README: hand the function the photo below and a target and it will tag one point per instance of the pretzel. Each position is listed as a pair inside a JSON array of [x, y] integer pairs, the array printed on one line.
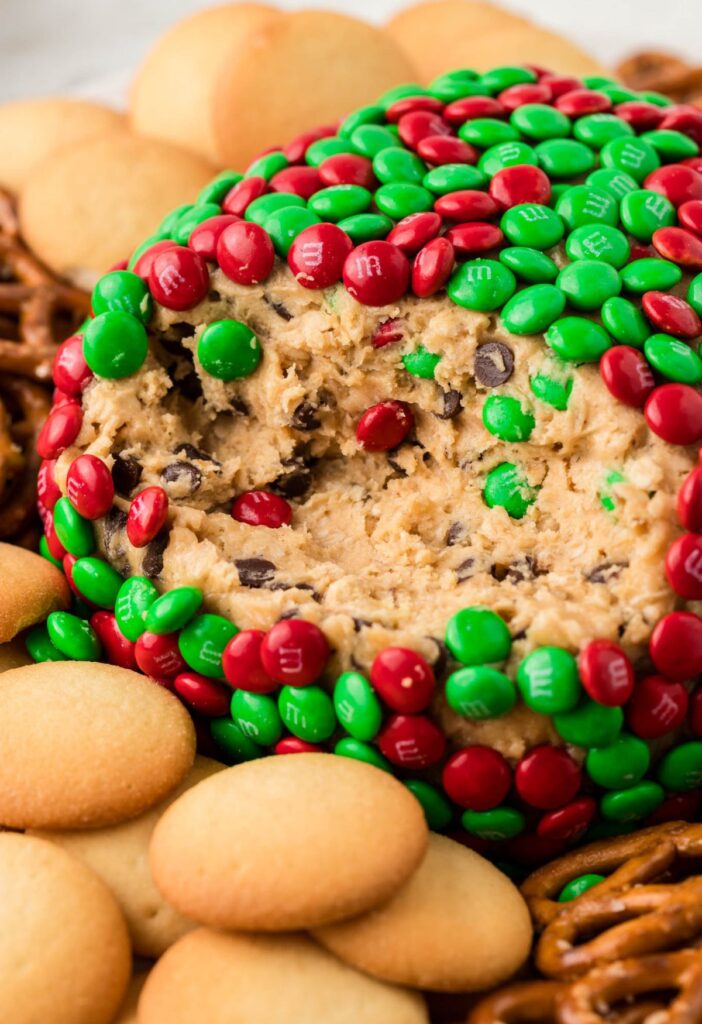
[[23, 408], [528, 1002], [664, 73], [630, 860]]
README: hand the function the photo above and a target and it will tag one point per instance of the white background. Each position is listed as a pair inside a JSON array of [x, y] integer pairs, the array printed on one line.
[[89, 47]]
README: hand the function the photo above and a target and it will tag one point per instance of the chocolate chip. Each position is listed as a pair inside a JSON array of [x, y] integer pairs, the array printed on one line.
[[293, 484], [494, 363], [190, 386], [183, 473], [359, 624], [282, 311], [291, 613], [239, 405], [194, 453], [441, 660], [305, 417], [605, 572], [395, 465], [453, 534], [126, 474], [298, 586], [452, 405], [114, 521], [254, 572], [522, 569], [464, 571], [152, 564]]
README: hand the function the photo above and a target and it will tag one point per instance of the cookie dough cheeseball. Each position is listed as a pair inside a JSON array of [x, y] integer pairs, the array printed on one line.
[[388, 447]]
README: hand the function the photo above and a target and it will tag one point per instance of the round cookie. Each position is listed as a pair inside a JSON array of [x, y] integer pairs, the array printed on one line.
[[90, 205], [64, 948], [85, 745], [40, 127], [280, 979], [458, 925], [32, 588], [359, 62], [14, 655], [215, 854], [173, 93], [119, 855]]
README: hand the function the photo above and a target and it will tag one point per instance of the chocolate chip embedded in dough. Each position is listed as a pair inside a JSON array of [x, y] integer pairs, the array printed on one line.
[[464, 571], [605, 572], [113, 522], [281, 309], [396, 467], [190, 386], [255, 572], [152, 564], [293, 484], [521, 569], [194, 453], [239, 406], [452, 405], [359, 624], [126, 474], [454, 533], [183, 474], [305, 417], [494, 364], [291, 613], [441, 659]]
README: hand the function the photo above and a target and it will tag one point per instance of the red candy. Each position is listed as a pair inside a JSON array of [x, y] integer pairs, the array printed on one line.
[[567, 824], [48, 491], [695, 717], [178, 278], [674, 412], [420, 124], [676, 645], [414, 231], [689, 503], [561, 84], [412, 741], [642, 116], [347, 169], [261, 508], [474, 238], [521, 183], [158, 656], [657, 706], [318, 254], [627, 375], [685, 119], [471, 107], [293, 745], [295, 150], [446, 149], [143, 265], [376, 273], [680, 246], [301, 181], [547, 778], [388, 332], [677, 807], [242, 665], [203, 695], [683, 566], [294, 652], [384, 426], [606, 673], [68, 561], [579, 102], [71, 374], [245, 253], [205, 236], [147, 515], [411, 103], [432, 267], [243, 194], [60, 430], [466, 205], [89, 486], [403, 679], [115, 645], [478, 778], [56, 548], [690, 215], [529, 92], [676, 182]]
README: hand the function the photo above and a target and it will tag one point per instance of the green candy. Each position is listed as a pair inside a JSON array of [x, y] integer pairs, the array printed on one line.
[[97, 581], [532, 225], [216, 190], [122, 290], [625, 322], [230, 739], [540, 121], [75, 533], [533, 309], [694, 294], [308, 712], [370, 139], [115, 344], [401, 92], [588, 283], [202, 643], [504, 417], [360, 751], [597, 81], [506, 154], [612, 180], [397, 164], [554, 392], [340, 201], [487, 131], [190, 220], [267, 165], [257, 716], [500, 823], [565, 158], [558, 189], [73, 637], [608, 498], [618, 93], [505, 487], [357, 706], [596, 130], [620, 764], [548, 681], [643, 212], [499, 79], [635, 156], [681, 768], [478, 636], [173, 610], [139, 251], [285, 225], [656, 98], [529, 264], [421, 363], [671, 145], [40, 647], [260, 209], [401, 199], [454, 85], [480, 692], [632, 804], [577, 340], [320, 150], [45, 553], [373, 114], [167, 225], [674, 359], [577, 886], [364, 227], [452, 178], [228, 350], [589, 724], [483, 285], [598, 242], [650, 274], [437, 809], [135, 597], [584, 205]]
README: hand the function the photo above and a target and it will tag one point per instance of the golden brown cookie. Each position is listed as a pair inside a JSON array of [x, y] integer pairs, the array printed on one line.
[[90, 205], [296, 73], [13, 655], [119, 855], [84, 745], [36, 129], [173, 93], [64, 947], [31, 588], [227, 979], [286, 842], [459, 925]]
